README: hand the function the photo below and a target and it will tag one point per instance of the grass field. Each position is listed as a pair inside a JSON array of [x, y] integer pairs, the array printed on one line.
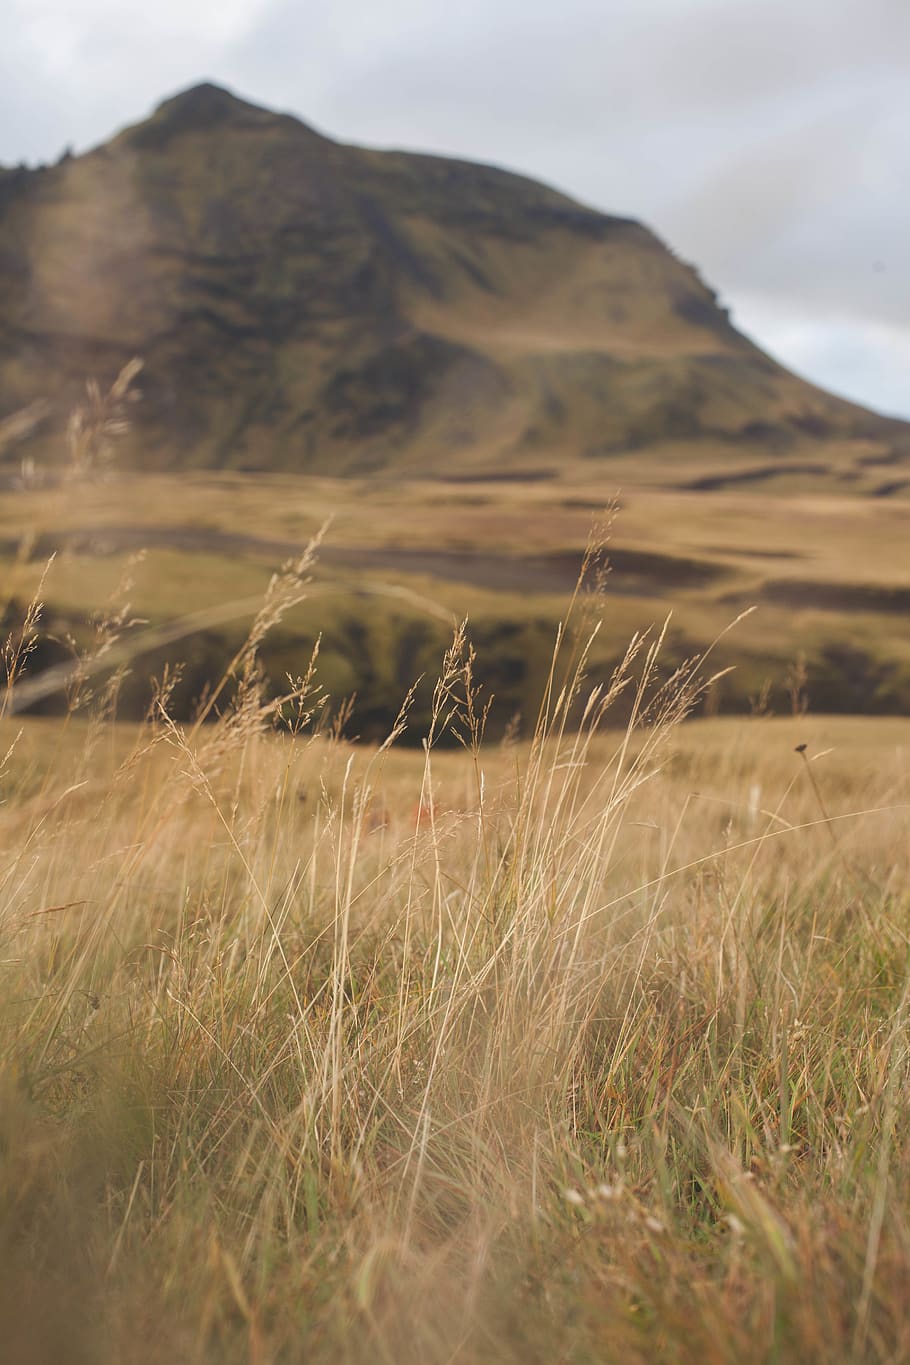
[[586, 1047], [388, 1001], [403, 560]]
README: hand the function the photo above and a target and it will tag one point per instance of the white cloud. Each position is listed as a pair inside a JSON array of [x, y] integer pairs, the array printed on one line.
[[868, 362], [73, 73], [64, 33]]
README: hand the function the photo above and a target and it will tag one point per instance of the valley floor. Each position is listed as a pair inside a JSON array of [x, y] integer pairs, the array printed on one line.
[[824, 567]]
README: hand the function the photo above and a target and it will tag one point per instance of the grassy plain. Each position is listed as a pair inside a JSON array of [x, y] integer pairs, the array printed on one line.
[[825, 565], [587, 1047], [584, 1044]]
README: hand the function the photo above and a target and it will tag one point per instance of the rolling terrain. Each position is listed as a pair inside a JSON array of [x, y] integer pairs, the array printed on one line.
[[573, 1030], [461, 369], [403, 561]]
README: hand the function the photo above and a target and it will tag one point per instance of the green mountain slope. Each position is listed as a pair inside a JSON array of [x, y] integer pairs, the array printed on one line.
[[308, 306]]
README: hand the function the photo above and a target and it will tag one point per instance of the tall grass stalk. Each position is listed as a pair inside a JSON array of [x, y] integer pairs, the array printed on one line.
[[560, 1050]]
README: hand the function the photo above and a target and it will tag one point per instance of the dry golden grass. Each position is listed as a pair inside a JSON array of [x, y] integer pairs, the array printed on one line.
[[589, 1048], [403, 555]]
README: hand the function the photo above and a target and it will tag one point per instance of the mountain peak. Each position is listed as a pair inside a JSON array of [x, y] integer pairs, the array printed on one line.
[[302, 303], [201, 107], [204, 103]]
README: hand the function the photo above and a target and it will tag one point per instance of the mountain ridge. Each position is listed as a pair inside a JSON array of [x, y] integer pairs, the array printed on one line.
[[304, 304]]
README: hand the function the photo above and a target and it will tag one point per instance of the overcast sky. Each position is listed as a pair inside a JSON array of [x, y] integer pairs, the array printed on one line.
[[767, 141]]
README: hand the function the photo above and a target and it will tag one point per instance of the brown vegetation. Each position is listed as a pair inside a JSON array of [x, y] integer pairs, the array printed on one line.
[[312, 307], [599, 1056]]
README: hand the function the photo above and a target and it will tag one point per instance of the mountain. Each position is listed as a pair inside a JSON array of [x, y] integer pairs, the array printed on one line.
[[305, 305]]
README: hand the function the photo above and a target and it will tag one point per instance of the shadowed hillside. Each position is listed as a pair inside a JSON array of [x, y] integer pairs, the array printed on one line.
[[308, 306]]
